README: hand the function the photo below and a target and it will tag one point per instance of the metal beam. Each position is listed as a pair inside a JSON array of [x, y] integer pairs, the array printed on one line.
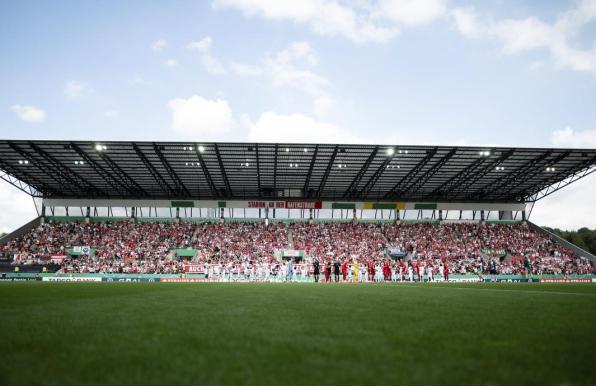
[[370, 184], [327, 171], [457, 179], [411, 175], [153, 171], [513, 176], [71, 175], [30, 190], [210, 182], [546, 177], [275, 169], [8, 173], [310, 169], [58, 176], [351, 191], [473, 179], [562, 177], [423, 179], [180, 188], [131, 185], [229, 192], [561, 184], [258, 171], [522, 176], [99, 169]]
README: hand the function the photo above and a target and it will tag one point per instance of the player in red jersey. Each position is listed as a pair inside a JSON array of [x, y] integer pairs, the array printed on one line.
[[387, 271], [402, 270], [417, 269], [344, 270], [446, 271]]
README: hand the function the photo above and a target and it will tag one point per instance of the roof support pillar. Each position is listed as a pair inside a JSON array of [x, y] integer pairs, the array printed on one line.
[[506, 215], [43, 213]]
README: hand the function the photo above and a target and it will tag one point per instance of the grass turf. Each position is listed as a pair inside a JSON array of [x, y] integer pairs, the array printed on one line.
[[296, 334]]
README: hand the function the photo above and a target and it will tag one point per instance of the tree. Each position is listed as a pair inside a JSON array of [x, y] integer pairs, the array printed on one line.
[[584, 238]]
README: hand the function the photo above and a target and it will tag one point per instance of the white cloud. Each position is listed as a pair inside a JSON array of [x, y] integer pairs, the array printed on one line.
[[159, 45], [203, 45], [16, 207], [570, 138], [290, 68], [199, 116], [467, 23], [273, 127], [74, 88], [30, 114], [211, 63], [171, 63], [413, 12], [525, 34], [531, 33], [359, 21]]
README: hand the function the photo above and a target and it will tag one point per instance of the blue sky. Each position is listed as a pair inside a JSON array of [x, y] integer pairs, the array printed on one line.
[[517, 73]]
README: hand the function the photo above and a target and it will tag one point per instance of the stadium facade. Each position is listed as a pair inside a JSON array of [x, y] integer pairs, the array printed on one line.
[[98, 180]]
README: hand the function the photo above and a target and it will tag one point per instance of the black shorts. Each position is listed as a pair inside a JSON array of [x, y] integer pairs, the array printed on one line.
[[493, 271]]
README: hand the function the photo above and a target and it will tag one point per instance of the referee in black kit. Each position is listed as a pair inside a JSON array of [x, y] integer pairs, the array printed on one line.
[[336, 270]]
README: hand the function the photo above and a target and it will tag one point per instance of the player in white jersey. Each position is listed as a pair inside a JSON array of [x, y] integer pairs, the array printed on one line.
[[246, 271], [378, 273], [410, 273], [216, 271], [362, 273], [441, 271], [305, 271], [429, 272], [206, 268]]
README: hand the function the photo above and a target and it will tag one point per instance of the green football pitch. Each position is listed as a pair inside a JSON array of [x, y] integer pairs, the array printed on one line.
[[297, 334]]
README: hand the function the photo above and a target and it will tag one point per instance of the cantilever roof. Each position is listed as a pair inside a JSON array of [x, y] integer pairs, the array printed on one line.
[[166, 170]]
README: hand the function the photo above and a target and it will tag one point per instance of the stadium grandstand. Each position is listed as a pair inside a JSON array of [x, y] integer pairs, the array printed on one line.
[[168, 211]]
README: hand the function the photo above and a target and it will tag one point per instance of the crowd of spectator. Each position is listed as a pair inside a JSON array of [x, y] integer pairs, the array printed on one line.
[[118, 247], [356, 251], [471, 246]]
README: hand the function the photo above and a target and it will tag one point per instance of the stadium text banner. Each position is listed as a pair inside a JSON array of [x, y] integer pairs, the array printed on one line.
[[193, 268], [285, 204]]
